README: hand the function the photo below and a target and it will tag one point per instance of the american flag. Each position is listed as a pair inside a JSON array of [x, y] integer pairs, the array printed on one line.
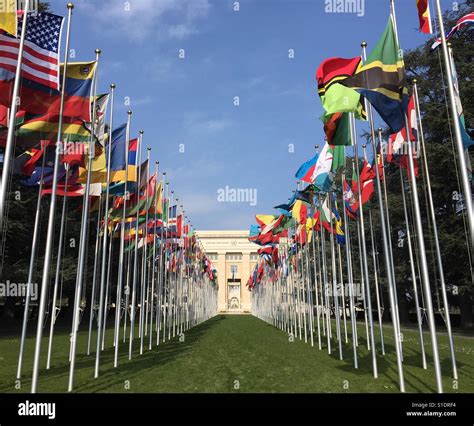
[[41, 53]]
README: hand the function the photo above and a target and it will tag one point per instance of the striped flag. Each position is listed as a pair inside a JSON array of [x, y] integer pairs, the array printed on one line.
[[41, 53], [464, 21]]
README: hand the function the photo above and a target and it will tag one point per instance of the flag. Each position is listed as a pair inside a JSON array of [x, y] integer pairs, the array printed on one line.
[[424, 16], [299, 211], [118, 175], [101, 102], [330, 160], [8, 17], [306, 170], [38, 99], [397, 152], [337, 129], [264, 219], [333, 70], [45, 127], [461, 23], [40, 61], [349, 200], [381, 80]]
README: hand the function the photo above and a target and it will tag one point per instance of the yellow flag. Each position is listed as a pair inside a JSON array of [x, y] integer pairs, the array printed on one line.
[[8, 16]]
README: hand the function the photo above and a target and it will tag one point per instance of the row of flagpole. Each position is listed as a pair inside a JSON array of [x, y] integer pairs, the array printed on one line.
[[162, 272], [301, 268]]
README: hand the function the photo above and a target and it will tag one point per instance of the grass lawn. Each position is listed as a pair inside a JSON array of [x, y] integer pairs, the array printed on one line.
[[236, 353]]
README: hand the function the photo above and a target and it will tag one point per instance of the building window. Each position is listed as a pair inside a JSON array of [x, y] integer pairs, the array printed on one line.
[[254, 257], [213, 256], [233, 256]]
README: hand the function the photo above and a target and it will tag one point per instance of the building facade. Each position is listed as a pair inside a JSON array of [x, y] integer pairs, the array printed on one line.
[[234, 257]]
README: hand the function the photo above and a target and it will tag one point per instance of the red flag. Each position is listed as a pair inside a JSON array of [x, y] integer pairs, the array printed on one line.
[[424, 16]]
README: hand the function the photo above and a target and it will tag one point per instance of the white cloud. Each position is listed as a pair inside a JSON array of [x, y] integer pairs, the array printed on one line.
[[152, 20]]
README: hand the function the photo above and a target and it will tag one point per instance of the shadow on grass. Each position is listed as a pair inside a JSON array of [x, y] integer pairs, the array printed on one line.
[[109, 376]]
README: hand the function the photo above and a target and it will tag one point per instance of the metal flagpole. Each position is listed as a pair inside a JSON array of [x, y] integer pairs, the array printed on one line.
[[107, 293], [153, 266], [421, 139], [387, 252], [417, 214], [364, 251], [58, 272], [135, 258], [334, 278], [466, 186], [31, 269], [165, 287], [162, 265], [82, 260], [350, 280], [51, 217], [376, 281], [389, 230], [325, 284], [106, 233], [413, 274], [144, 250], [121, 271], [94, 277], [9, 145]]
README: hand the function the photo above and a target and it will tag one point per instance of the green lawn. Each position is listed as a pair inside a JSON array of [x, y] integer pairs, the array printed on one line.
[[237, 351]]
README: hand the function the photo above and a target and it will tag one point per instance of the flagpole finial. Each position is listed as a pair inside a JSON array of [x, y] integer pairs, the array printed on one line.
[[363, 44], [129, 112], [98, 51], [157, 163], [364, 146], [113, 86], [316, 147], [414, 81], [70, 6], [167, 183], [379, 129], [148, 148], [141, 132]]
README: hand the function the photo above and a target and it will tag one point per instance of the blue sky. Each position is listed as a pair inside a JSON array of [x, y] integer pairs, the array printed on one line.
[[189, 102]]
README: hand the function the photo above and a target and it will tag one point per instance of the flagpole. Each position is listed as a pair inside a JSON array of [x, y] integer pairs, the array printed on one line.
[[135, 258], [313, 236], [82, 260], [413, 274], [106, 233], [51, 217], [165, 206], [466, 186], [325, 283], [365, 271], [153, 268], [162, 265], [94, 278], [421, 138], [416, 207], [31, 269], [334, 279], [376, 282], [58, 269], [9, 145], [144, 251], [350, 280], [121, 271]]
